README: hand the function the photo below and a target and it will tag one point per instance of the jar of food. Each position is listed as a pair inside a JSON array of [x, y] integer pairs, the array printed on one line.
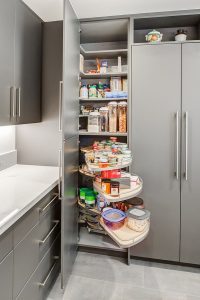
[[103, 163], [103, 119], [94, 122], [112, 106], [114, 188], [122, 112], [114, 218], [84, 92], [90, 198], [105, 186], [138, 219], [93, 91]]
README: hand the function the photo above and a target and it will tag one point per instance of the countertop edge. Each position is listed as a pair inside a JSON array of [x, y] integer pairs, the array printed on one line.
[[5, 227]]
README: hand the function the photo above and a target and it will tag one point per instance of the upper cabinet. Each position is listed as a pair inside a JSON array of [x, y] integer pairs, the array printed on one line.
[[7, 23], [20, 61], [28, 64]]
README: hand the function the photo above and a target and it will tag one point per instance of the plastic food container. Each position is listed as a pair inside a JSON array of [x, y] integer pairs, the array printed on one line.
[[114, 218], [103, 119], [138, 219], [94, 122], [122, 110], [112, 106]]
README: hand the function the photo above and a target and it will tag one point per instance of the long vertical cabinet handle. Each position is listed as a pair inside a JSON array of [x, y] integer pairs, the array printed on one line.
[[60, 104], [177, 145], [60, 175], [186, 145], [12, 102], [18, 91]]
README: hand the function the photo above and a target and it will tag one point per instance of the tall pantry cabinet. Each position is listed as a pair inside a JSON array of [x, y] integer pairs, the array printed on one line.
[[165, 140]]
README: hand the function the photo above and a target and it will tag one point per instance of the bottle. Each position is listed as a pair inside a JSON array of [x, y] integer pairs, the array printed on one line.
[[84, 92]]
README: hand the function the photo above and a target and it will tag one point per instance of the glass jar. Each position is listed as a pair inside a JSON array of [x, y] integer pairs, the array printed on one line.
[[94, 122], [122, 112], [112, 106], [103, 119]]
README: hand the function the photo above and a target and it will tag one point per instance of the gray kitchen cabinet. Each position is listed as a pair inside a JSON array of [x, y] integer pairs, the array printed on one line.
[[20, 63], [190, 204], [6, 279], [156, 100], [28, 64], [7, 21], [25, 259], [69, 208]]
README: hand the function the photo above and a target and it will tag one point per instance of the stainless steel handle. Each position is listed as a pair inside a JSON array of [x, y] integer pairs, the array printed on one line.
[[60, 104], [186, 145], [52, 200], [177, 145], [48, 276], [18, 91], [60, 174], [50, 232], [12, 102]]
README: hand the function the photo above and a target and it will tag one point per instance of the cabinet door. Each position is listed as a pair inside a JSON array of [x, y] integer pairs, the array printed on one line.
[[190, 203], [28, 41], [7, 19], [71, 72], [6, 273], [69, 213], [156, 97]]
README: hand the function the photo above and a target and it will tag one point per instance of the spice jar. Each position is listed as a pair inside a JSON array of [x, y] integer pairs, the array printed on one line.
[[103, 119], [114, 188], [105, 186], [112, 106], [122, 111]]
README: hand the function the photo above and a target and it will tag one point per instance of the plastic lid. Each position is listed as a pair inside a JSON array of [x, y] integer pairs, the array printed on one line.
[[138, 214], [94, 113], [103, 109], [114, 215], [113, 103], [122, 103]]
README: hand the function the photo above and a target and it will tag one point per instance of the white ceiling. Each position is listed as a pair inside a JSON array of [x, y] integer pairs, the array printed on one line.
[[52, 10]]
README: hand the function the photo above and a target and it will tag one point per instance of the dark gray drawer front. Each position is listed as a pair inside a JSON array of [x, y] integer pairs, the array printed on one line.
[[25, 225], [6, 271], [48, 201], [6, 244], [49, 228], [26, 259], [49, 269]]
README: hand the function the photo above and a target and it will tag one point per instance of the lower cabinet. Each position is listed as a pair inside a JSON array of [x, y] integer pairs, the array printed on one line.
[[30, 252], [39, 285], [6, 277]]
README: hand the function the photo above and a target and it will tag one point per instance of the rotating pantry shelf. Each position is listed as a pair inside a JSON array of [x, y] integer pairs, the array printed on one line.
[[125, 237], [95, 168], [125, 194]]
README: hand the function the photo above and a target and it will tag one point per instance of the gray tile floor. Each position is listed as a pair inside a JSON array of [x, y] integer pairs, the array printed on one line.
[[99, 277]]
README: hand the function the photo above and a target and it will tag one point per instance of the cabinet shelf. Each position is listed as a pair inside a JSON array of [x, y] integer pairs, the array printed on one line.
[[99, 75], [95, 168], [84, 132], [113, 53], [98, 241], [125, 194], [102, 99]]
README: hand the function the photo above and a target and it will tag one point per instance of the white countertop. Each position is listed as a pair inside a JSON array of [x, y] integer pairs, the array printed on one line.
[[21, 187]]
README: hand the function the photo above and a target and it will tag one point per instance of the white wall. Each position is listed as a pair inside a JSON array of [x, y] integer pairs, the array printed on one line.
[[7, 138]]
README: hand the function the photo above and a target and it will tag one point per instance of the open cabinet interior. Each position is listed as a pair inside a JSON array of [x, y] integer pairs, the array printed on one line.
[[103, 125], [168, 26]]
